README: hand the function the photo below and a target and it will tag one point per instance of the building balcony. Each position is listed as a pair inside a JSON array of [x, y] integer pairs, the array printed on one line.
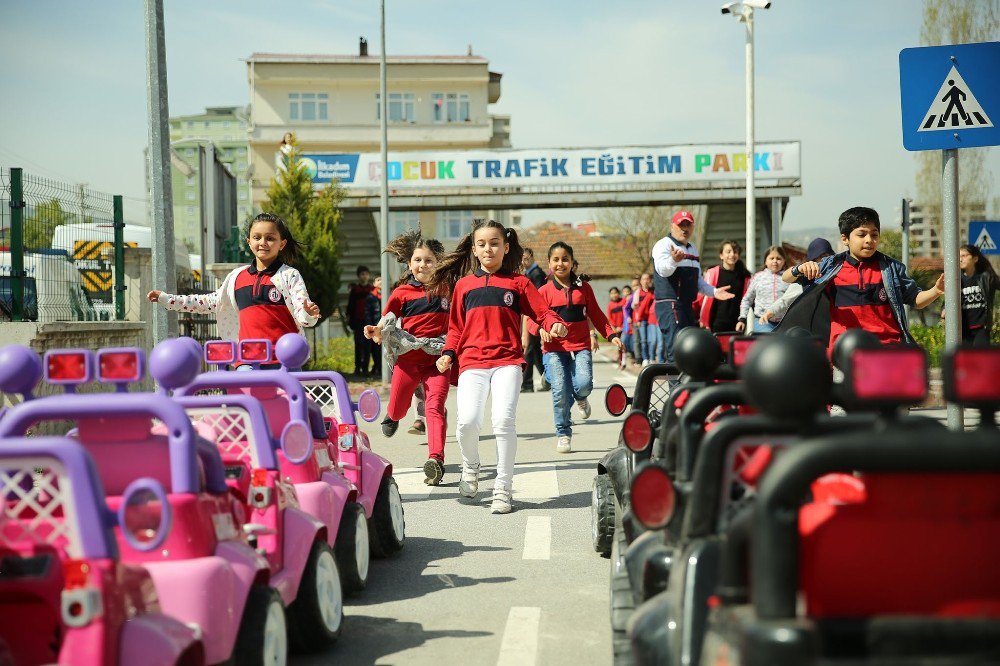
[[493, 89], [408, 135]]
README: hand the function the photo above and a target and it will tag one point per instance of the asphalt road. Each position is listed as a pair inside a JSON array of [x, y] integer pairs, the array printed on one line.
[[470, 587]]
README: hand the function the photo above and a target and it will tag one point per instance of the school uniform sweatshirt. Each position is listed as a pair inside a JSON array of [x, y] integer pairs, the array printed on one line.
[[484, 321], [421, 315], [576, 306]]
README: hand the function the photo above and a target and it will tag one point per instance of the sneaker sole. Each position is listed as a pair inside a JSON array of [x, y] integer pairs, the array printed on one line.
[[501, 509], [433, 473]]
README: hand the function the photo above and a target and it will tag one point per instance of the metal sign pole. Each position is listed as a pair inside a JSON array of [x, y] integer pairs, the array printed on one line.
[[952, 278], [905, 210], [160, 202], [383, 221], [750, 252]]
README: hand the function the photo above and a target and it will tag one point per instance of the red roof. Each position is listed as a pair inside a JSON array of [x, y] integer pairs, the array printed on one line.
[[598, 257]]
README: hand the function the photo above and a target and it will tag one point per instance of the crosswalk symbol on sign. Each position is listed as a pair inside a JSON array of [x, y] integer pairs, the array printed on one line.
[[985, 241], [954, 107]]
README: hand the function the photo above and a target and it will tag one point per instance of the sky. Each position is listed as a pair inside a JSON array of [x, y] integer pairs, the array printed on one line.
[[576, 73]]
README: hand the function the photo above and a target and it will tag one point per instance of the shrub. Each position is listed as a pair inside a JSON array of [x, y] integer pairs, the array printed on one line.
[[336, 354]]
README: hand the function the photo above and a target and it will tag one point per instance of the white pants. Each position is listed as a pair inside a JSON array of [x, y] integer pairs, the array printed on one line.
[[474, 385]]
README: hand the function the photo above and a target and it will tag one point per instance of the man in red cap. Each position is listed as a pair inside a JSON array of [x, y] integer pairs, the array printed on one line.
[[677, 280]]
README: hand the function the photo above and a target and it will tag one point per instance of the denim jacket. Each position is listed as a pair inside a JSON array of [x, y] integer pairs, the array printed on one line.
[[899, 286]]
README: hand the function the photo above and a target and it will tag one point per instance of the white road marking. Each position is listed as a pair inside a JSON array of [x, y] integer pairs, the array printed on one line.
[[537, 538], [536, 481], [411, 482], [519, 646]]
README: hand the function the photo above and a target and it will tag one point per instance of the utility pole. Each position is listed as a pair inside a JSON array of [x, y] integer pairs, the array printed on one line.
[[383, 222], [161, 199]]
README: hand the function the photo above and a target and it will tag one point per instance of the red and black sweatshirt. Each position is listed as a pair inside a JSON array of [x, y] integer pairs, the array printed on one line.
[[576, 305], [263, 311], [616, 313], [484, 324], [420, 314]]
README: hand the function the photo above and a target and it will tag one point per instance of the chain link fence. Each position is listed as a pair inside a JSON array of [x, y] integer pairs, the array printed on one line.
[[61, 251]]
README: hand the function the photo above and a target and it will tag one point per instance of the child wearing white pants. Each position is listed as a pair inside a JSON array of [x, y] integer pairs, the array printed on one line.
[[484, 340], [473, 387]]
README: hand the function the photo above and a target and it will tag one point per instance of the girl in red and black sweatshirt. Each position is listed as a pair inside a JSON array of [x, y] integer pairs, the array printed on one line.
[[568, 362], [484, 339], [424, 316]]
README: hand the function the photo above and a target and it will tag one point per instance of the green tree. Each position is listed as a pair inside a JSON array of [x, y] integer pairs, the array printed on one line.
[[956, 22], [40, 225], [314, 220], [891, 243]]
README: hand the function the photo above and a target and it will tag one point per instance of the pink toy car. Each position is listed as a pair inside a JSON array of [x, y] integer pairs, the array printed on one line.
[[64, 595], [370, 472], [205, 572], [321, 489]]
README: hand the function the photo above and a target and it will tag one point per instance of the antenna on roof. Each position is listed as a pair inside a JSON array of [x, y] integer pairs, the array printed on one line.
[[470, 50], [363, 47]]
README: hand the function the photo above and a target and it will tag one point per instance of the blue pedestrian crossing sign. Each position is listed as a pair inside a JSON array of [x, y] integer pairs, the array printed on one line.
[[985, 236], [950, 96]]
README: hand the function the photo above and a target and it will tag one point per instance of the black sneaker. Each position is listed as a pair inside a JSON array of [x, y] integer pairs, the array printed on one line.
[[527, 389], [389, 427], [418, 428], [545, 386], [434, 471]]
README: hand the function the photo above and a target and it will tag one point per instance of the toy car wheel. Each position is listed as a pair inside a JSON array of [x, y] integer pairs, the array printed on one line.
[[622, 603], [352, 548], [262, 637], [388, 522], [602, 514], [317, 614]]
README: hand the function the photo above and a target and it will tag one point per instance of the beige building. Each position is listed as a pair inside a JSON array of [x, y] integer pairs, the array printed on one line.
[[924, 240], [331, 104]]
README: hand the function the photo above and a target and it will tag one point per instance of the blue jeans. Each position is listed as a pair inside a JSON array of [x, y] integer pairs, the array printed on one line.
[[571, 375], [673, 316], [763, 328], [650, 341], [627, 343]]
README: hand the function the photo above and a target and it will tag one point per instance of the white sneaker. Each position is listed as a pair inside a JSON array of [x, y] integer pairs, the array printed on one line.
[[563, 444], [468, 486], [584, 407], [501, 501], [645, 363]]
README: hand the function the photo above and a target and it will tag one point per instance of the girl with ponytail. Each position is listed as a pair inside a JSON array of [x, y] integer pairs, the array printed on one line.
[[412, 330], [568, 362], [488, 297]]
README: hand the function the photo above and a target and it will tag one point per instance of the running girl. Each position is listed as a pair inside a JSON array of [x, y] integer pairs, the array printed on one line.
[[979, 287], [484, 338], [568, 362], [616, 316], [425, 318], [265, 299], [764, 289]]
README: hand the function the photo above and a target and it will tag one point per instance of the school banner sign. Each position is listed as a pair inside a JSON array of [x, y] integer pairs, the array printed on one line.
[[556, 166]]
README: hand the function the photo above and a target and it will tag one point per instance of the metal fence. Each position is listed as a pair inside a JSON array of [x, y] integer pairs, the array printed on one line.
[[61, 251]]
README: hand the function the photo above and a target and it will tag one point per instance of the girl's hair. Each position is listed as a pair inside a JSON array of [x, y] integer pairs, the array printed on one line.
[[403, 246], [740, 268], [983, 264], [460, 261], [573, 277], [293, 249], [775, 249], [736, 246]]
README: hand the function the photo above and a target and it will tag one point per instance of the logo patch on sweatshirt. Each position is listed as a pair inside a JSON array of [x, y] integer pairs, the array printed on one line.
[[508, 298], [274, 295], [444, 303]]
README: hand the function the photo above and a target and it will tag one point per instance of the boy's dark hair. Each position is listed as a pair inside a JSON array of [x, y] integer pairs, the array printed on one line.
[[362, 269], [852, 218], [614, 289], [528, 252], [293, 249], [460, 261]]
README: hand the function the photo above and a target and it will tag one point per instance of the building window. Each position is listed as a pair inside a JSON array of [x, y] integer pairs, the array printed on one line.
[[189, 124], [308, 106], [451, 107], [453, 224], [190, 210], [226, 124], [189, 195], [400, 222], [402, 107], [189, 180], [189, 152], [243, 196], [241, 152], [241, 166]]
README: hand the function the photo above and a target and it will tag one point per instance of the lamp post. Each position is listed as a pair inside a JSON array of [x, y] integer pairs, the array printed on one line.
[[383, 219], [743, 12]]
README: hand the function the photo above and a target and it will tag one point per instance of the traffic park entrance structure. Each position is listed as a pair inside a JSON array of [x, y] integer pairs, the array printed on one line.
[[708, 175]]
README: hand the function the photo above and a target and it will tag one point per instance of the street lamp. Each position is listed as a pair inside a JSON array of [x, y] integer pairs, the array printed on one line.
[[743, 12]]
